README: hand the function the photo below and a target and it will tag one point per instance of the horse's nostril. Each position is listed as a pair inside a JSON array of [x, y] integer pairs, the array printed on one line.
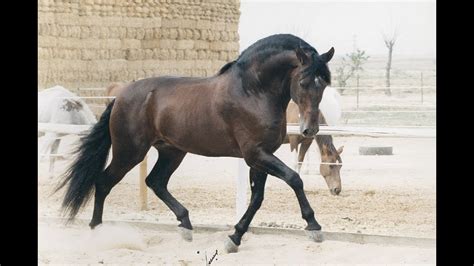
[[309, 132], [337, 191]]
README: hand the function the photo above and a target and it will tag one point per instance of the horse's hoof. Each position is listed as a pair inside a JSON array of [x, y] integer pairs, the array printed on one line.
[[95, 226], [186, 234], [230, 246], [315, 235]]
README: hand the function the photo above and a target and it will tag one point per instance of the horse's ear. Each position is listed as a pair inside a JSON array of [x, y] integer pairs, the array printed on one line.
[[339, 151], [326, 57], [301, 55]]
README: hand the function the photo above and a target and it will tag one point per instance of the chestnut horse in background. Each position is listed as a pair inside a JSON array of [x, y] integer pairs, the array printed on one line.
[[114, 89], [239, 112], [329, 153]]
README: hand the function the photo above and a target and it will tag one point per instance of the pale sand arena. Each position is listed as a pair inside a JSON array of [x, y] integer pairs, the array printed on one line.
[[386, 195], [126, 245]]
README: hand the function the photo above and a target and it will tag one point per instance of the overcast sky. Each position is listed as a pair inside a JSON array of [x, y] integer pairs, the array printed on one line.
[[338, 23]]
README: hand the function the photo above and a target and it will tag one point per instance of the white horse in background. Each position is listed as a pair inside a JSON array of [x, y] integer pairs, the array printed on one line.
[[57, 105], [331, 106]]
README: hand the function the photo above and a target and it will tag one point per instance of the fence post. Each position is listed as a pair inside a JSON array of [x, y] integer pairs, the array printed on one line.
[[357, 91], [421, 80], [242, 185], [143, 187]]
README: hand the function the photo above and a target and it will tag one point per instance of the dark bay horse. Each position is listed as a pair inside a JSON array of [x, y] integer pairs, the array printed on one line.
[[239, 112], [330, 167]]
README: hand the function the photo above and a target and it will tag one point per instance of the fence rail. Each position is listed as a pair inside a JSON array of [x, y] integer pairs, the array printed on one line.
[[242, 168], [383, 88], [291, 129]]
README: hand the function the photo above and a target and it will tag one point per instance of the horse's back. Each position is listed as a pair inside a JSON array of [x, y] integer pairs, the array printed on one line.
[[55, 106], [166, 108], [48, 99]]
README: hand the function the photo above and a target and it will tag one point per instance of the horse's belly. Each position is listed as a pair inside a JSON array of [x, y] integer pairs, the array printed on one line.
[[210, 145], [202, 139]]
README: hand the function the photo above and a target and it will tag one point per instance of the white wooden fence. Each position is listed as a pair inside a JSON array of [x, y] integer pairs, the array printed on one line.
[[377, 132], [83, 130], [242, 168]]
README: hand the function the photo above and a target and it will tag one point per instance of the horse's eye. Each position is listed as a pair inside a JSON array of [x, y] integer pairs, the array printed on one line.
[[304, 83]]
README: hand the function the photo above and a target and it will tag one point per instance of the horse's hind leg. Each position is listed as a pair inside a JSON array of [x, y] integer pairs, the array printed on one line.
[[257, 184], [122, 162], [52, 159], [44, 148], [168, 161]]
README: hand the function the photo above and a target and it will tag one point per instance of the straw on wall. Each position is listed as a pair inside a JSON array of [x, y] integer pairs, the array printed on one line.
[[92, 43]]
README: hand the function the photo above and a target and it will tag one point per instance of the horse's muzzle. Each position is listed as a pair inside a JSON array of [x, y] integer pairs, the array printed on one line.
[[310, 132], [335, 191]]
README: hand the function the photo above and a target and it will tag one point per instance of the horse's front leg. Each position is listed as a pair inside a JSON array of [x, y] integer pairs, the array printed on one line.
[[266, 162], [257, 185]]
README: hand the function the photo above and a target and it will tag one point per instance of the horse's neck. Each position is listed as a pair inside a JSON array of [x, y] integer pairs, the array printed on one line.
[[324, 143], [271, 77], [276, 69]]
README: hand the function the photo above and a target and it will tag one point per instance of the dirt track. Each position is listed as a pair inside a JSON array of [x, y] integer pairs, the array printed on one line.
[[389, 195], [120, 244], [386, 195]]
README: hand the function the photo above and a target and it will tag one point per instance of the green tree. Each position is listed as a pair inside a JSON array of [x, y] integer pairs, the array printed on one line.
[[351, 66]]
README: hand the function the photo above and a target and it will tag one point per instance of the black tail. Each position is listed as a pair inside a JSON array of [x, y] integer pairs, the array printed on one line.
[[91, 158]]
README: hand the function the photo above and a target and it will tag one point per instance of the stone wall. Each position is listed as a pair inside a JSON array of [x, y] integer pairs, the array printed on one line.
[[92, 43]]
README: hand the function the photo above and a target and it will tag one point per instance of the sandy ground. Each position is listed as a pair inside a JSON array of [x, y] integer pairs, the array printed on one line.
[[123, 244], [390, 195], [385, 195]]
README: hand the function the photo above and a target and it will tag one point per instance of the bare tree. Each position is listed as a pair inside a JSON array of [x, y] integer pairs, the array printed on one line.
[[389, 43]]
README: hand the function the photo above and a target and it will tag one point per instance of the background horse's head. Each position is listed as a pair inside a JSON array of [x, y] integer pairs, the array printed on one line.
[[331, 172], [309, 80]]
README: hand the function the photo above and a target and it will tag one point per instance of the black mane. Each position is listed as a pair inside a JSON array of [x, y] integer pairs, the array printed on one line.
[[274, 44], [225, 67], [328, 141]]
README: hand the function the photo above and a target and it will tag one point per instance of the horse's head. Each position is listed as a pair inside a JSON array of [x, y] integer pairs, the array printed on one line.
[[331, 171], [308, 82]]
